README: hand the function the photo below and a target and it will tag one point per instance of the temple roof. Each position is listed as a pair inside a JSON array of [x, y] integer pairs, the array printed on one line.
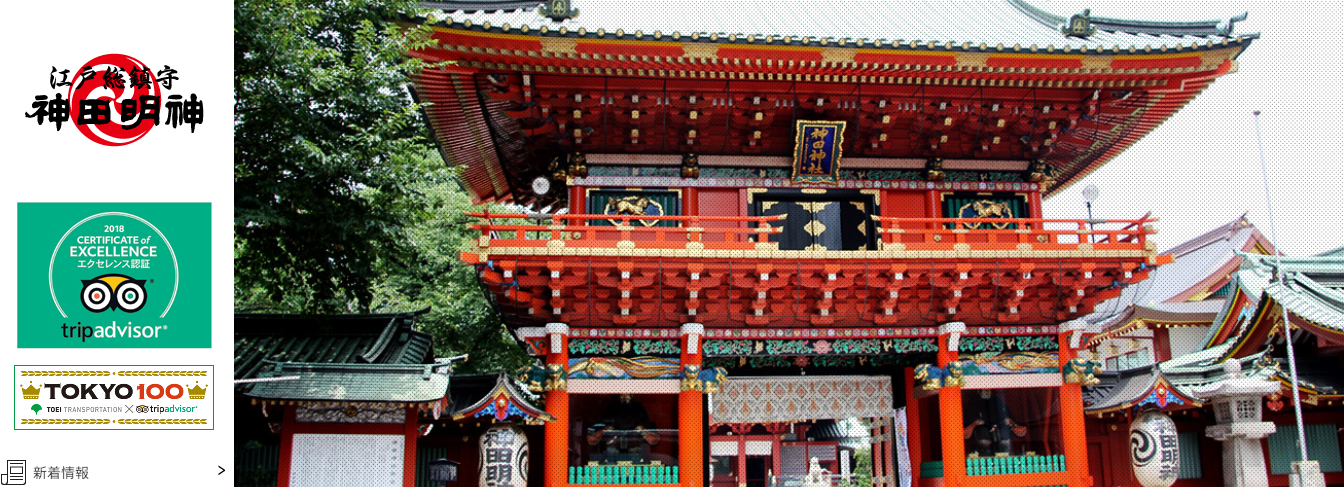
[[482, 393], [1137, 387], [1007, 83], [1169, 385], [416, 383], [1180, 292], [1312, 291], [931, 24], [348, 339]]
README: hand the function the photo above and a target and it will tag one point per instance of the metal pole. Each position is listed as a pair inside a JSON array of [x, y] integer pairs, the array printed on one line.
[[1090, 228], [1287, 327]]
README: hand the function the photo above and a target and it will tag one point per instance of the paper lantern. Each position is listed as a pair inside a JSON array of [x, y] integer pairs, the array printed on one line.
[[1154, 449], [503, 457]]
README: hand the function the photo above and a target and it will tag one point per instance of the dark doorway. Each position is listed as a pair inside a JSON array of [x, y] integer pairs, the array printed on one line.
[[834, 220], [756, 471]]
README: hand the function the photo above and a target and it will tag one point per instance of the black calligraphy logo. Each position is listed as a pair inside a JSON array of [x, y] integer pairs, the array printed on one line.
[[115, 100]]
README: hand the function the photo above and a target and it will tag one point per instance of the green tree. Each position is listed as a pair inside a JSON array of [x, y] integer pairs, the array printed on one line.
[[863, 467], [461, 318], [322, 117], [342, 205]]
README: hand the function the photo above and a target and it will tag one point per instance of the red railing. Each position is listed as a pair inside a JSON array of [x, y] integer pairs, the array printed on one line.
[[1014, 233], [735, 233], [571, 230]]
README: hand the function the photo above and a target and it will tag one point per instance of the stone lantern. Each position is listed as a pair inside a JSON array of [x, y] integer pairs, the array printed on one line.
[[1236, 403]]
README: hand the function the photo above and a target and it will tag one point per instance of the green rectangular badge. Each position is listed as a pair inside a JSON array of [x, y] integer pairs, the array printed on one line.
[[114, 275]]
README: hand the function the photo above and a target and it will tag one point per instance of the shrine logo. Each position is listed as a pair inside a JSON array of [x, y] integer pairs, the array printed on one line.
[[116, 100], [118, 275]]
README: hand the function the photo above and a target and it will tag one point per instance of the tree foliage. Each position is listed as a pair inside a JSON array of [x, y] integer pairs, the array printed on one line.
[[321, 114], [342, 204]]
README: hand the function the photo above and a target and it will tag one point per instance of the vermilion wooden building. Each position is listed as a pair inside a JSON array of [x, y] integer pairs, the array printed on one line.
[[758, 216]]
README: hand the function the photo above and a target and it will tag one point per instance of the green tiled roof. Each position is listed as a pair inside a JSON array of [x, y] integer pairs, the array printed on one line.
[[353, 382], [341, 339], [1311, 289]]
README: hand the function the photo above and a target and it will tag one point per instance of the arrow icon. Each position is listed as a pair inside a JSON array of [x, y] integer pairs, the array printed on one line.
[[221, 470]]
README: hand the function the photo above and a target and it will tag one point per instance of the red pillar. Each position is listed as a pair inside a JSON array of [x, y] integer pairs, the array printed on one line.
[[557, 404], [949, 406], [286, 446], [881, 449], [412, 432], [691, 414], [742, 456], [913, 438], [1071, 428]]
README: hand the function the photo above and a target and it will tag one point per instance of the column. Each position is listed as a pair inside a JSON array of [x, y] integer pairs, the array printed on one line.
[[1071, 429], [913, 425], [690, 414], [557, 404], [741, 471], [949, 405], [412, 432]]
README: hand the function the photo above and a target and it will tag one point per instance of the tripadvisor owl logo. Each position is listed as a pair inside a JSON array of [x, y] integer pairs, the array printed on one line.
[[113, 292], [115, 278]]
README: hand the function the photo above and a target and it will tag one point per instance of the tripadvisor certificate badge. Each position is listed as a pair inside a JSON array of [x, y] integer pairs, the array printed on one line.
[[114, 275]]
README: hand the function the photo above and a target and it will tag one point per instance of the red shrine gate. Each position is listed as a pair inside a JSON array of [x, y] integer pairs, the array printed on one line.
[[803, 203]]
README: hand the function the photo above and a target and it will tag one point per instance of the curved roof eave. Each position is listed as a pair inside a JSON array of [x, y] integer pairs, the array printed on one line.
[[870, 24]]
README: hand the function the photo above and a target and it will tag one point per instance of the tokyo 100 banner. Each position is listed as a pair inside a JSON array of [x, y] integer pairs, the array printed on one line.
[[114, 275]]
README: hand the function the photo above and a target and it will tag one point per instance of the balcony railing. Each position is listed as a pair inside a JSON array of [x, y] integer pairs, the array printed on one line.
[[1022, 234], [707, 235]]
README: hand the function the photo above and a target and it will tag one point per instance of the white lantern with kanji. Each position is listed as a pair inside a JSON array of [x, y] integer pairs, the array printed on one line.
[[503, 461], [1154, 449]]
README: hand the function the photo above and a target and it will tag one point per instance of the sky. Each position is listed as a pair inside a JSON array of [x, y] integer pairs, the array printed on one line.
[[1201, 169]]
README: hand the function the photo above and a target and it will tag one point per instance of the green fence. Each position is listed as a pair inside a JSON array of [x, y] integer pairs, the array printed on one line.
[[623, 474], [256, 465], [1013, 465], [999, 466], [1322, 446], [1189, 443]]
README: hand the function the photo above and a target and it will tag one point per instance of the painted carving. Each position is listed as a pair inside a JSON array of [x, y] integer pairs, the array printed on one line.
[[990, 209], [1080, 371], [713, 378], [1042, 173], [555, 377], [350, 413], [629, 205], [624, 368], [954, 375], [690, 166], [690, 378], [534, 377], [710, 380], [930, 376], [578, 165], [934, 170]]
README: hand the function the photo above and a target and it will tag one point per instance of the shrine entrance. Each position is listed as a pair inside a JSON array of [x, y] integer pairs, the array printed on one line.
[[830, 220], [801, 431]]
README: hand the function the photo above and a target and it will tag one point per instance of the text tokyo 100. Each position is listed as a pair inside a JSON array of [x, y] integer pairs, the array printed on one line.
[[119, 391]]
